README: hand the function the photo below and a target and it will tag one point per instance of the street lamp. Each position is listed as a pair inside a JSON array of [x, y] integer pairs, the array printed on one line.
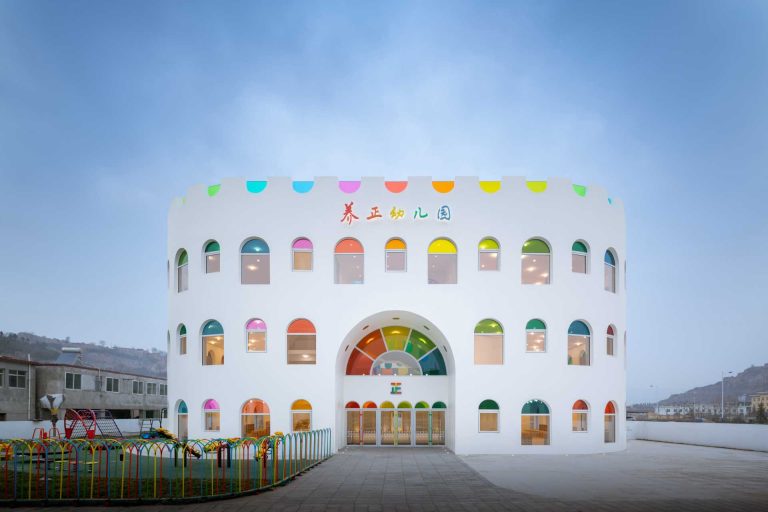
[[722, 395]]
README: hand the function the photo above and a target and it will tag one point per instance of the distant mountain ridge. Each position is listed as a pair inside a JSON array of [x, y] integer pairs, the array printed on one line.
[[749, 382], [122, 359]]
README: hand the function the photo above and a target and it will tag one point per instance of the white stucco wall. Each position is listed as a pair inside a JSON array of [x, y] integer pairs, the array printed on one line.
[[722, 435], [512, 215]]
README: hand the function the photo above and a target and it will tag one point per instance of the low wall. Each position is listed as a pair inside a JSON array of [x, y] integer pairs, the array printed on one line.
[[721, 435], [24, 429]]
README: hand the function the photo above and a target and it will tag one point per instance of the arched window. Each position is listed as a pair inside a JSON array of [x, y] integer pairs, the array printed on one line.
[[442, 262], [212, 257], [395, 255], [254, 262], [609, 341], [254, 419], [349, 262], [302, 255], [256, 335], [489, 342], [488, 253], [211, 416], [579, 256], [182, 334], [610, 271], [580, 416], [213, 343], [302, 342], [534, 423], [182, 271], [535, 263], [535, 336], [579, 344], [610, 422], [488, 416], [301, 416], [182, 421]]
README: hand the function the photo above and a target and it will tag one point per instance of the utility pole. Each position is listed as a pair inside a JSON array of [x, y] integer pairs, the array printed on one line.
[[722, 395]]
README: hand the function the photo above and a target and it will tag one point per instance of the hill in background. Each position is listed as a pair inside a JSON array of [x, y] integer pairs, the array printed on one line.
[[45, 350], [749, 382]]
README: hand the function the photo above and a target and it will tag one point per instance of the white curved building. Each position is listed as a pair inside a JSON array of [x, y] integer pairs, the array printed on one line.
[[486, 316]]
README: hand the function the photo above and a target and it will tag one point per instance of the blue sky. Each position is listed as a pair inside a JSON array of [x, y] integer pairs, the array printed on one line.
[[110, 109]]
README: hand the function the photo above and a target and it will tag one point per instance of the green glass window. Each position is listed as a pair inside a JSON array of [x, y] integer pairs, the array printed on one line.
[[578, 328], [404, 405], [422, 405], [183, 330], [535, 407], [418, 344], [535, 324], [579, 247], [609, 259], [213, 327], [213, 247], [488, 326], [489, 405], [439, 405], [183, 258], [183, 407], [255, 246], [535, 246]]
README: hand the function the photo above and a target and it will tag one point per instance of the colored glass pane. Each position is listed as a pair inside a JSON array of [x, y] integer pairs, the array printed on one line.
[[579, 247], [443, 186], [439, 405], [488, 326], [489, 405], [301, 405], [387, 405], [396, 186], [395, 244], [490, 187], [352, 405], [212, 328], [422, 405], [369, 405], [535, 324], [349, 246], [302, 243], [536, 186], [213, 247], [255, 246], [578, 328], [213, 190], [442, 246], [396, 337], [358, 363], [404, 405], [255, 406], [535, 246], [211, 405], [256, 324], [183, 330], [580, 189], [183, 258], [488, 244], [183, 407], [418, 344], [609, 259], [302, 187], [373, 344], [349, 187], [301, 326], [610, 408], [433, 364], [255, 187], [535, 407], [580, 405], [610, 330]]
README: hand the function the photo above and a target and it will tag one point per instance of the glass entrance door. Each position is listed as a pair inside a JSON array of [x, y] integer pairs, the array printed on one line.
[[369, 427], [438, 427], [422, 427], [353, 427], [403, 428], [388, 427]]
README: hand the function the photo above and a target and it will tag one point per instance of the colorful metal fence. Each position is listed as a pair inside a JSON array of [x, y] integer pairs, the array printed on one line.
[[126, 470]]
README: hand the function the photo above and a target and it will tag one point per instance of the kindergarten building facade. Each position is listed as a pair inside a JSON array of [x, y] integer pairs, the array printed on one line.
[[487, 316]]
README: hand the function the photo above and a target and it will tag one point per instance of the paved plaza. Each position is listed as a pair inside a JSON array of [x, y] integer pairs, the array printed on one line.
[[647, 477]]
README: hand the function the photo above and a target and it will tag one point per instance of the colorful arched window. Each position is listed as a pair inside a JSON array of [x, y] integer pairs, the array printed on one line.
[[535, 262], [302, 342], [211, 416], [301, 416], [352, 405], [535, 336], [580, 416], [254, 419], [579, 343], [395, 255], [610, 271], [254, 262], [212, 252], [395, 350], [488, 416], [488, 254], [301, 251], [182, 271], [579, 257], [534, 423], [610, 341], [489, 342], [610, 422], [182, 421], [349, 262], [256, 335], [387, 405], [213, 343], [182, 336], [442, 262]]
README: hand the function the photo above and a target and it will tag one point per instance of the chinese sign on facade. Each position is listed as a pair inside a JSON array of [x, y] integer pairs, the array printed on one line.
[[396, 388], [443, 213]]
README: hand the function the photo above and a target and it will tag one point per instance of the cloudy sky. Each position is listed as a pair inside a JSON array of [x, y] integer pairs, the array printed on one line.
[[108, 110]]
